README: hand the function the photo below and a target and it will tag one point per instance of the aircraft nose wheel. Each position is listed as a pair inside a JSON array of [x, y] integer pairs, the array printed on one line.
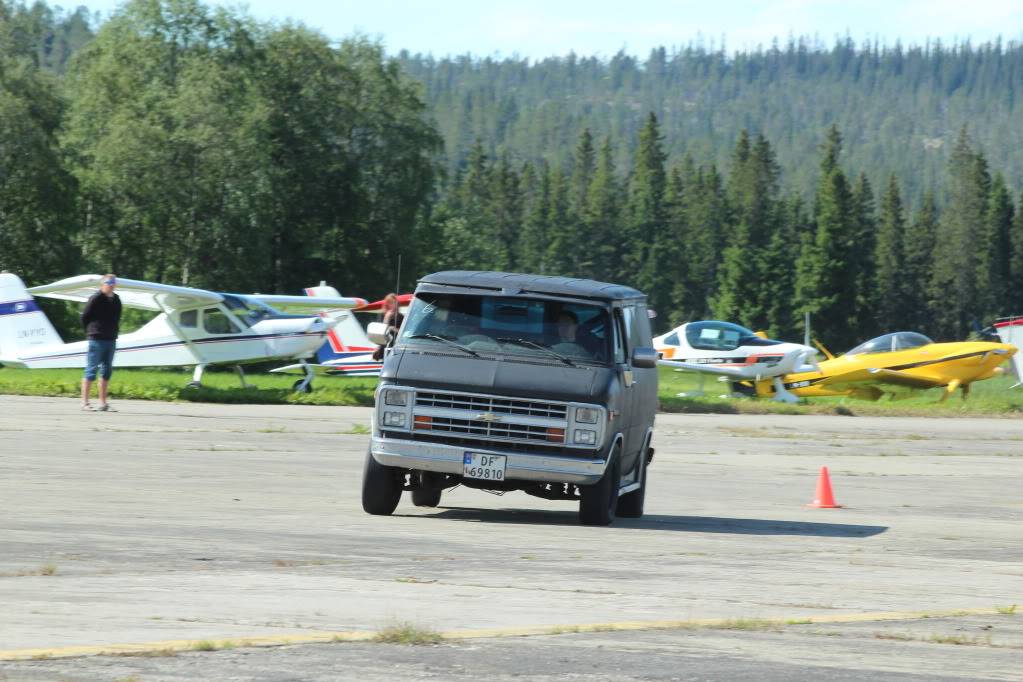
[[302, 386]]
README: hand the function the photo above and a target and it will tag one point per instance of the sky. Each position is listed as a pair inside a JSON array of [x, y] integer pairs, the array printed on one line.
[[538, 28]]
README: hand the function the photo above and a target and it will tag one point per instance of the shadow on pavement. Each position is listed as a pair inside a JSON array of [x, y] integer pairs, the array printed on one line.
[[686, 524]]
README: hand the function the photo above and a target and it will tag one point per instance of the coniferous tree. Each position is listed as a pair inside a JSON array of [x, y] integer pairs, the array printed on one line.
[[890, 295], [603, 217], [1014, 299], [825, 282], [918, 255], [707, 215], [744, 291], [994, 250], [534, 234], [647, 228], [861, 257], [954, 287]]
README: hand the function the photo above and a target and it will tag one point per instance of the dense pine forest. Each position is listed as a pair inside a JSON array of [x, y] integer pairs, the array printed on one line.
[[877, 187]]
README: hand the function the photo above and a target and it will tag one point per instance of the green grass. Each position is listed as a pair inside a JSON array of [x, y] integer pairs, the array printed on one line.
[[218, 387], [408, 634], [992, 398]]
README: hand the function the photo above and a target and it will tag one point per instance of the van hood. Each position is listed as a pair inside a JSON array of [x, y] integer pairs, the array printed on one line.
[[506, 375]]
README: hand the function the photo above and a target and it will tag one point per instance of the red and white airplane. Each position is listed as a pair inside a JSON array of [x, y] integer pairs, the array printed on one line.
[[347, 351], [194, 327]]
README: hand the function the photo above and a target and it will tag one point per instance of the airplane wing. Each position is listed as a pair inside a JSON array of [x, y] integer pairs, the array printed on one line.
[[132, 292], [308, 304], [734, 372], [889, 377]]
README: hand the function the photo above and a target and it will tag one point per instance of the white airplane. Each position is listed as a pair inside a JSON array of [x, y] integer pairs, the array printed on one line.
[[194, 327], [1010, 330], [348, 351], [733, 353]]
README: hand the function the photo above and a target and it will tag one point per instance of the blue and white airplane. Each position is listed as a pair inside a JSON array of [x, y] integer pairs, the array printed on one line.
[[194, 327]]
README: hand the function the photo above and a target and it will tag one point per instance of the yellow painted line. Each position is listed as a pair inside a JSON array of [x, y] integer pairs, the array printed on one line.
[[171, 646]]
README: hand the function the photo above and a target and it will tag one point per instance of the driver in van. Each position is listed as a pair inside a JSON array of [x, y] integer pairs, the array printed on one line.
[[568, 326]]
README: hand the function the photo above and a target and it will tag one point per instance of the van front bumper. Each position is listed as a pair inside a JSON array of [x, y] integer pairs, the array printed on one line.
[[522, 466]]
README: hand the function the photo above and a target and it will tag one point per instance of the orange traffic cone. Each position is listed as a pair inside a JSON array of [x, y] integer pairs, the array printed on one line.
[[824, 499]]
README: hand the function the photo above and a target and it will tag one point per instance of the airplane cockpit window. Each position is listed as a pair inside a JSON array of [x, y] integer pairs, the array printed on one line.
[[671, 339], [889, 343], [247, 310], [216, 321], [714, 335]]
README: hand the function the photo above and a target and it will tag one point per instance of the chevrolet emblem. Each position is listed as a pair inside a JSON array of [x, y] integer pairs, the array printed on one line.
[[488, 417]]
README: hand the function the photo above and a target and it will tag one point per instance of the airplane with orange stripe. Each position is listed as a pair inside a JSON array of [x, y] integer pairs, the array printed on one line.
[[733, 353], [897, 365]]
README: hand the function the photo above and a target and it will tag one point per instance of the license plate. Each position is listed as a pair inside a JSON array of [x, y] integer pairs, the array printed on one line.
[[485, 467]]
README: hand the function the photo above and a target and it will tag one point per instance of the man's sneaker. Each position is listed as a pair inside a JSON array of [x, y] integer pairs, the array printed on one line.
[[88, 408], [103, 408]]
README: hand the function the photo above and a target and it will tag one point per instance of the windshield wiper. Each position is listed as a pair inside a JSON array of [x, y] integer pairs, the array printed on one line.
[[538, 346], [437, 337]]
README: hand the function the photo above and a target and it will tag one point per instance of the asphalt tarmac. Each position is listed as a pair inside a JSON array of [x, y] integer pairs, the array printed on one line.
[[162, 529]]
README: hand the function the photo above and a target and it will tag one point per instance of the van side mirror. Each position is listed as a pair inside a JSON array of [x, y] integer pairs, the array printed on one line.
[[377, 333], [644, 358]]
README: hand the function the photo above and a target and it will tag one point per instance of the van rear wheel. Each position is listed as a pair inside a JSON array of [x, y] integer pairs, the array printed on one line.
[[598, 503], [381, 489], [426, 497]]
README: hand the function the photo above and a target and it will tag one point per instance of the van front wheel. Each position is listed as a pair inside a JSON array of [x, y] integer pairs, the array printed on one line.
[[599, 502], [381, 488]]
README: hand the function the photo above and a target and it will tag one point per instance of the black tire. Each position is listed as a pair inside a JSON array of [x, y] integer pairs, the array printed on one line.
[[298, 387], [630, 505], [599, 502], [381, 488], [426, 497]]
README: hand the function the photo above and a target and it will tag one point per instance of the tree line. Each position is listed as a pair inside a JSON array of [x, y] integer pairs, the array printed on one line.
[[194, 145]]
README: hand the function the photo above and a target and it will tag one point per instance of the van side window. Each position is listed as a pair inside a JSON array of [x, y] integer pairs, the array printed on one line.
[[188, 318], [619, 339]]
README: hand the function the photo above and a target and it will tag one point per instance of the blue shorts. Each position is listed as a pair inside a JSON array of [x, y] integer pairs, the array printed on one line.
[[100, 358]]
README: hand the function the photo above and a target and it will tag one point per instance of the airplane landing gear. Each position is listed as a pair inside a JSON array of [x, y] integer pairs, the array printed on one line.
[[196, 381], [304, 385], [241, 376]]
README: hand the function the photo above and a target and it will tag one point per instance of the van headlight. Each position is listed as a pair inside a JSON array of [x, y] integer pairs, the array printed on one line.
[[395, 397], [585, 437], [586, 415], [395, 419]]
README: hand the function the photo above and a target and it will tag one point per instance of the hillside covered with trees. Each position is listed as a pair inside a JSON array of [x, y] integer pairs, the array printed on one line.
[[877, 188]]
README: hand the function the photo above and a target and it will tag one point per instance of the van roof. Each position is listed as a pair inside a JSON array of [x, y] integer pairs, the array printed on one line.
[[515, 283]]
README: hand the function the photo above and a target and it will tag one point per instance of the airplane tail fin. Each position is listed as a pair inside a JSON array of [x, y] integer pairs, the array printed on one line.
[[347, 338], [23, 326], [1010, 330]]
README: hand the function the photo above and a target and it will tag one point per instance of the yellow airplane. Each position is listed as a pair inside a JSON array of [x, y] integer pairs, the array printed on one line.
[[896, 364]]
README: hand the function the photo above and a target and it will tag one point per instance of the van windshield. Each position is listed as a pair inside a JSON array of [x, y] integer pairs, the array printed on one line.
[[510, 325]]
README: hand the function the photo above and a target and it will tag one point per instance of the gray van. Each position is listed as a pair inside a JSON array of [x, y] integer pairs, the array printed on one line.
[[504, 382]]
